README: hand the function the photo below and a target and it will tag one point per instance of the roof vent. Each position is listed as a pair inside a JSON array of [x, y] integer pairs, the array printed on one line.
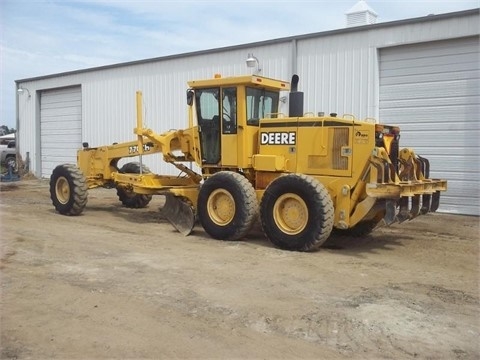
[[361, 14]]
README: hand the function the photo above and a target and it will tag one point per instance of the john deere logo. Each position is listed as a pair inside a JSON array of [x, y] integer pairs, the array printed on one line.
[[278, 138], [361, 134], [361, 137]]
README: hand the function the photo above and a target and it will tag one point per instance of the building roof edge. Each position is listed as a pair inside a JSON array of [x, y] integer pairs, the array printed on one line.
[[260, 43]]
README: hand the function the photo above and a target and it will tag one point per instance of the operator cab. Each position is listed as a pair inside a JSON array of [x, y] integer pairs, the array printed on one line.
[[228, 112]]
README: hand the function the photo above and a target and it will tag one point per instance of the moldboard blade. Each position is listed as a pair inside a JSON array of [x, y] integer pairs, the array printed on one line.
[[179, 213]]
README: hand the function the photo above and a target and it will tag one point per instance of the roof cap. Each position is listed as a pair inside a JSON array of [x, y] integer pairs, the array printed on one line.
[[359, 7]]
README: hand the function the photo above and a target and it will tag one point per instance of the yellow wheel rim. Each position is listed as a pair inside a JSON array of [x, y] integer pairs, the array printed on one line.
[[290, 214], [221, 207], [62, 190]]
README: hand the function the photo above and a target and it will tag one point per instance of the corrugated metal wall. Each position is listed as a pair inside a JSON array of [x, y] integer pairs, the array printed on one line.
[[432, 91], [338, 74]]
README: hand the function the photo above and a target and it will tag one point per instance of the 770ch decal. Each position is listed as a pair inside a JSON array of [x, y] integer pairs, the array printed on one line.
[[134, 148]]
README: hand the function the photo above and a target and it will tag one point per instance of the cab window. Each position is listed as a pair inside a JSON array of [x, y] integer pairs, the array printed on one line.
[[207, 104]]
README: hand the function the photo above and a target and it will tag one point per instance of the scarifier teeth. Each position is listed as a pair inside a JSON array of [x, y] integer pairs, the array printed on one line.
[[403, 214], [426, 201], [435, 201], [415, 210], [390, 210], [409, 207]]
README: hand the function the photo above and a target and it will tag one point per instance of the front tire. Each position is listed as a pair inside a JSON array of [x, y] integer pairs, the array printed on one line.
[[126, 196], [227, 206], [296, 212], [68, 190]]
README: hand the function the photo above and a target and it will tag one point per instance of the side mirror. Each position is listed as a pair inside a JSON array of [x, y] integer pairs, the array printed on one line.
[[190, 96]]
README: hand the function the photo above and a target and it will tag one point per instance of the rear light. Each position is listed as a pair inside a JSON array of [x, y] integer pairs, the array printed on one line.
[[388, 138], [382, 130], [378, 131]]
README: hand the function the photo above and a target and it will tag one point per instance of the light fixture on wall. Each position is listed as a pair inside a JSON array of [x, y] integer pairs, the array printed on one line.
[[21, 90], [252, 61]]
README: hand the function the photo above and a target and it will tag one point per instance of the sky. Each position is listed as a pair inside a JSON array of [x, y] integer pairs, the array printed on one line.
[[42, 37]]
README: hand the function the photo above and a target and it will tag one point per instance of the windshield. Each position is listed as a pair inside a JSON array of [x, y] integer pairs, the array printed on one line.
[[261, 104]]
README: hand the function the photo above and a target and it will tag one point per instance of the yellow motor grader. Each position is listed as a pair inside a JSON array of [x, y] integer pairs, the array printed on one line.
[[302, 174]]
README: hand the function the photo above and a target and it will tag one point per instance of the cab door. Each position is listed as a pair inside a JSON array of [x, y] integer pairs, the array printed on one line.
[[208, 118], [229, 136]]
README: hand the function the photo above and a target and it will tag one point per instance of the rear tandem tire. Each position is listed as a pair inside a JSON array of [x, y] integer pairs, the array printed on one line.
[[127, 197], [296, 212], [68, 190], [227, 206]]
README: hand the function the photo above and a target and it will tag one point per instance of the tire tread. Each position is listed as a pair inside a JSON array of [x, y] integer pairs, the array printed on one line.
[[78, 190], [247, 212], [136, 201], [321, 224]]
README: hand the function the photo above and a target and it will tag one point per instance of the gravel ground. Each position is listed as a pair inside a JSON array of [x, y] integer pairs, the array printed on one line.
[[119, 283]]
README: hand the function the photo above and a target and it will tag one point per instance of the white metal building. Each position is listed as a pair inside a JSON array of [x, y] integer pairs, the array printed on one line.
[[422, 74]]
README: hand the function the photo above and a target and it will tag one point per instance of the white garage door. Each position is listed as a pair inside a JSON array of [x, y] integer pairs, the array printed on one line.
[[432, 91], [60, 127]]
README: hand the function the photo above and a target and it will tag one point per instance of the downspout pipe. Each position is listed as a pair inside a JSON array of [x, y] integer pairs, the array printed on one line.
[[17, 122]]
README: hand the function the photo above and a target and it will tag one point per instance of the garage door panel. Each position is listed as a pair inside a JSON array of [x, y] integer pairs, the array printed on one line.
[[462, 71], [446, 167], [454, 208], [430, 152], [409, 78], [431, 92], [60, 127], [431, 127], [62, 123], [60, 100], [461, 112], [427, 90], [68, 148], [463, 188], [60, 133], [459, 136], [410, 140], [412, 110], [457, 176], [429, 64], [63, 111], [55, 161], [431, 49], [66, 140], [454, 163]]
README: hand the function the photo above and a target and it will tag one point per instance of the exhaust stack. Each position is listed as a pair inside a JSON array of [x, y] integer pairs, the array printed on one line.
[[295, 100]]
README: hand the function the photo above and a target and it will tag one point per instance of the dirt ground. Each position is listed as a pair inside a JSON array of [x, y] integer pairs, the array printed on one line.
[[120, 283]]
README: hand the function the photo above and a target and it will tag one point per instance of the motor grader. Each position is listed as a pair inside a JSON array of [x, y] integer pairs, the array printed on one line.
[[302, 174]]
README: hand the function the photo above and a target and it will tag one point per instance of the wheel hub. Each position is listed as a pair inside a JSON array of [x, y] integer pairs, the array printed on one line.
[[290, 213], [221, 207], [62, 190]]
